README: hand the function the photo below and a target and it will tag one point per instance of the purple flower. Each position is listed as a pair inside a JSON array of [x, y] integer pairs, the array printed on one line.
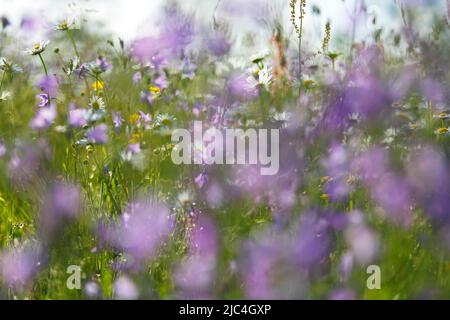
[[218, 44], [342, 294], [18, 267], [29, 23], [371, 164], [428, 174], [176, 33], [92, 289], [134, 148], [364, 243], [177, 30], [397, 208], [147, 50], [254, 10], [188, 69], [269, 270], [346, 266], [148, 97], [376, 175], [214, 194], [145, 119], [433, 91], [242, 86], [117, 120], [103, 64], [125, 289], [161, 81], [83, 71], [44, 118], [44, 100], [98, 134], [63, 203], [312, 244], [26, 162], [337, 167], [2, 148], [137, 77], [201, 180], [142, 230], [49, 85], [196, 273], [77, 118]]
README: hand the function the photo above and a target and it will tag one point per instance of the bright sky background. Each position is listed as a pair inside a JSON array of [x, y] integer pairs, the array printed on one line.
[[134, 18]]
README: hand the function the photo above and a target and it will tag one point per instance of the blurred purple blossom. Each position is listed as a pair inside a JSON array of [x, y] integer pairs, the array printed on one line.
[[433, 91], [18, 267], [176, 33], [49, 85], [27, 162], [62, 203], [217, 43], [201, 180], [337, 166], [364, 244], [196, 273], [98, 134], [428, 173], [342, 294], [242, 86], [134, 148], [77, 118], [141, 231], [44, 117], [137, 77], [2, 148], [92, 289], [397, 208], [125, 289], [161, 81], [313, 242]]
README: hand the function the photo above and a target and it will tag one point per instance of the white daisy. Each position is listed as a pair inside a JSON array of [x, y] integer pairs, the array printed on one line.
[[38, 48], [265, 77], [5, 96]]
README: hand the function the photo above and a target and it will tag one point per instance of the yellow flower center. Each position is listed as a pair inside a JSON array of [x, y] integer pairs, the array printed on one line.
[[442, 130], [166, 121], [95, 105], [63, 25]]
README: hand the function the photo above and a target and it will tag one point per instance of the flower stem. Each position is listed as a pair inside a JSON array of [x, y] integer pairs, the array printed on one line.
[[1, 82], [43, 64], [72, 40]]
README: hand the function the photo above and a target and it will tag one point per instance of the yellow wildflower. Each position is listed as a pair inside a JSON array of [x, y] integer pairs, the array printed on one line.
[[98, 85]]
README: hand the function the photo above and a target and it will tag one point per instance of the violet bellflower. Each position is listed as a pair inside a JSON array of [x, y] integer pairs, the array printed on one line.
[[195, 275], [142, 230]]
